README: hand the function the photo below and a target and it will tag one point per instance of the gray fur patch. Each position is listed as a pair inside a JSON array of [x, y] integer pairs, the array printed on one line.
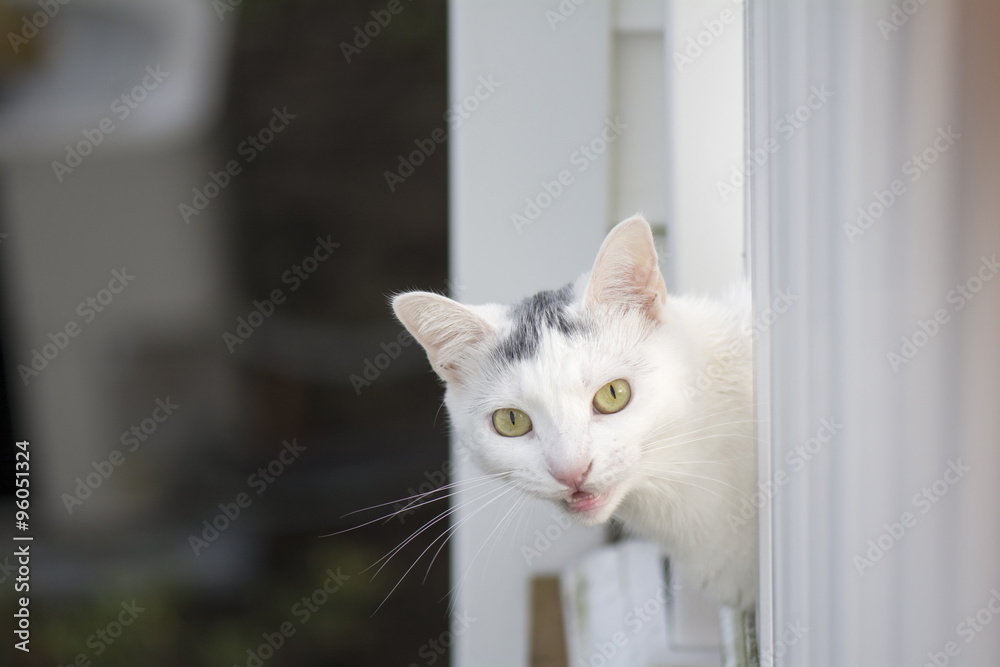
[[545, 310]]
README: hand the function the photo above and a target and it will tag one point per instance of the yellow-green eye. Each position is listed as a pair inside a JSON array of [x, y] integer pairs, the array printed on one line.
[[612, 397], [511, 422]]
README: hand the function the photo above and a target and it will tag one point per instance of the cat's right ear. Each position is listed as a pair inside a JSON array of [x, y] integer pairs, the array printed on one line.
[[446, 329], [626, 272]]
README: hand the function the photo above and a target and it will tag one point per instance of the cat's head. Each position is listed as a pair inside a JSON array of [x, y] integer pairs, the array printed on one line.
[[561, 391]]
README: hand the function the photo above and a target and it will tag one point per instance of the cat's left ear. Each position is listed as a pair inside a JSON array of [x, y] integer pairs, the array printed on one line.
[[626, 272], [447, 330]]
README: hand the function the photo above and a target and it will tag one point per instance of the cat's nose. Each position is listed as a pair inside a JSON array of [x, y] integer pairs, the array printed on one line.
[[573, 477]]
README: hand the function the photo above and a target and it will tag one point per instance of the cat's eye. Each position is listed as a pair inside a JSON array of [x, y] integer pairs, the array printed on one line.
[[511, 422], [612, 397]]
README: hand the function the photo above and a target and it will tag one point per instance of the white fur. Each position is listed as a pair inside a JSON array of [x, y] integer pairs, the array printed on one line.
[[675, 463]]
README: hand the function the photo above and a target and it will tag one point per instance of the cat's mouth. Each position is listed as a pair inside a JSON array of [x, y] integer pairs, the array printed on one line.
[[581, 501]]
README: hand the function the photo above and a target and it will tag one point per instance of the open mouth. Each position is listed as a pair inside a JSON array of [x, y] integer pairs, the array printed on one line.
[[583, 502]]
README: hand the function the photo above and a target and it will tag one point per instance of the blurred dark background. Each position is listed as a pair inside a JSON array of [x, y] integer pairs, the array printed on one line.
[[297, 378]]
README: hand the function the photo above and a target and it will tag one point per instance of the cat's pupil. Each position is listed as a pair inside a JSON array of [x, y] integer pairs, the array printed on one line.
[[612, 388], [512, 417]]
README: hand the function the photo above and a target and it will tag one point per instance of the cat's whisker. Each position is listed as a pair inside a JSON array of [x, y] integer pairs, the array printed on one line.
[[652, 444], [446, 534], [446, 513], [449, 532], [476, 482], [656, 435], [436, 553], [520, 517], [697, 486], [738, 458], [676, 423], [438, 413], [671, 445], [472, 562], [518, 505], [503, 521], [666, 444], [531, 515], [443, 515], [659, 432], [514, 505], [384, 560], [691, 474], [424, 494]]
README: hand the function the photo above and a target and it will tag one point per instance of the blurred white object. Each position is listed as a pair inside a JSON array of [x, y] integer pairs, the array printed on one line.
[[620, 611]]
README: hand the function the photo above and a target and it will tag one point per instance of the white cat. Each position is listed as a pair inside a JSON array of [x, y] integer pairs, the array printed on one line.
[[611, 397]]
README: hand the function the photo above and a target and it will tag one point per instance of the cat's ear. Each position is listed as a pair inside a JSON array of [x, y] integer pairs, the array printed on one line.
[[446, 329], [626, 272]]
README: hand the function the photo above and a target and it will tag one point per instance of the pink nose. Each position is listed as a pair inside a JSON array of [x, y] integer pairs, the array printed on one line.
[[573, 477]]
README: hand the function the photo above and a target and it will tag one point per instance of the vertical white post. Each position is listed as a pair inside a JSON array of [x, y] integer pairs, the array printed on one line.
[[705, 74], [550, 73]]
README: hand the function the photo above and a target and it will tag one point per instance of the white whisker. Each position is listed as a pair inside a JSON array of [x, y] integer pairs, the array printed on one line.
[[691, 474], [697, 486], [443, 515], [659, 435], [476, 482], [446, 535], [676, 423], [660, 446]]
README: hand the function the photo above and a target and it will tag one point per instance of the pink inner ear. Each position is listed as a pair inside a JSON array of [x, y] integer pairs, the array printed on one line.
[[446, 329], [626, 272]]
